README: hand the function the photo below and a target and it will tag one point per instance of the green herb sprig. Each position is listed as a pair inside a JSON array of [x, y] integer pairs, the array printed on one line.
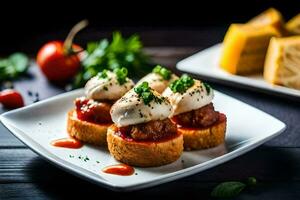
[[121, 74], [182, 84], [163, 72], [117, 53], [13, 66]]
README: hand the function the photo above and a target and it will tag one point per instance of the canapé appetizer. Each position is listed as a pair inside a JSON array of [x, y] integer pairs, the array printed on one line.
[[142, 134], [90, 119], [193, 112], [159, 79]]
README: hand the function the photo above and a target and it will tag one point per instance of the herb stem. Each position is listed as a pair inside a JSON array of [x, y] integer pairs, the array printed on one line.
[[69, 40]]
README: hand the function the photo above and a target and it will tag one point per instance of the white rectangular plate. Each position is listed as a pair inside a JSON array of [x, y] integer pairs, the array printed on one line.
[[206, 64], [40, 123]]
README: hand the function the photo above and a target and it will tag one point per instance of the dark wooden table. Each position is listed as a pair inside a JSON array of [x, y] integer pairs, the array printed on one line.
[[276, 164]]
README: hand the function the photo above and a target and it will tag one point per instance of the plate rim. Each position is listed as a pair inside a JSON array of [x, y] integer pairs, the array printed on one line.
[[243, 81], [89, 176]]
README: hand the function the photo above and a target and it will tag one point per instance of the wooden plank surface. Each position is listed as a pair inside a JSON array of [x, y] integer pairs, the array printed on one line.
[[267, 164]]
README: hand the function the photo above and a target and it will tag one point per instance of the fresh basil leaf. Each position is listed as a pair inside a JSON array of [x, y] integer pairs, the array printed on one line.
[[228, 189]]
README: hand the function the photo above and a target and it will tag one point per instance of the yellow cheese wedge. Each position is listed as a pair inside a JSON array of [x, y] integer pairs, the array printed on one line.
[[270, 17], [282, 65], [245, 47], [293, 25]]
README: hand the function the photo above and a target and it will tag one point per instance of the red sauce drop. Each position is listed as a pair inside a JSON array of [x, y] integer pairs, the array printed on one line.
[[93, 111], [67, 143], [119, 169]]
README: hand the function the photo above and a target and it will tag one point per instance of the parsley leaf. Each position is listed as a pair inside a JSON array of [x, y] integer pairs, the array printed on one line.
[[163, 72], [182, 84], [117, 53]]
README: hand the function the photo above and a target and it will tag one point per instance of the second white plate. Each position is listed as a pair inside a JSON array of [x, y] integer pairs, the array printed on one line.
[[206, 64]]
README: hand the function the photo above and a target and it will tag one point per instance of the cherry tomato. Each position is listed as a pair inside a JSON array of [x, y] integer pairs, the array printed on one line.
[[11, 99], [56, 64]]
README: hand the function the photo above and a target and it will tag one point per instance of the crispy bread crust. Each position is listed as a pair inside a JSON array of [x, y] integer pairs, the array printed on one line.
[[144, 154], [85, 131], [204, 138]]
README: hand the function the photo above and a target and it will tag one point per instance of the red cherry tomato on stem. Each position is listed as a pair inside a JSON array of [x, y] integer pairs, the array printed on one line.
[[11, 99], [56, 64], [60, 60]]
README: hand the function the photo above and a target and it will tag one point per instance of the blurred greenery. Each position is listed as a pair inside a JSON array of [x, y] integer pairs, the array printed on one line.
[[118, 53], [13, 66]]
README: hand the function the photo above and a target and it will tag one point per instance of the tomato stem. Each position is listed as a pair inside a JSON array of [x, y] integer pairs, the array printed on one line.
[[69, 40]]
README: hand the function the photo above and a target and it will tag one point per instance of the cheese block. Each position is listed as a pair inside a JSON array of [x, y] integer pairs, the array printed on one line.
[[270, 17], [293, 25], [245, 47], [282, 65]]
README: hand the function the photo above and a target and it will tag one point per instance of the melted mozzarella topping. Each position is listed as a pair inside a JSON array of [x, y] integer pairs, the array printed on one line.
[[131, 109], [107, 88], [194, 98], [156, 81]]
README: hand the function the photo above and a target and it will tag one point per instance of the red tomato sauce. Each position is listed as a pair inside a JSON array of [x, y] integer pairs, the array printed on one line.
[[119, 169], [67, 143]]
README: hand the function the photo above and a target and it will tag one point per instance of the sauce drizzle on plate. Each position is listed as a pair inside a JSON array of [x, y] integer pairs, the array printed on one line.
[[67, 143], [119, 169]]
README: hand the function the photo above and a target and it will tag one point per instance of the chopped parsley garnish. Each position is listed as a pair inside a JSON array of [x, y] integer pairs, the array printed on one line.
[[207, 87], [121, 75], [85, 159], [102, 74], [182, 84], [145, 92], [163, 72]]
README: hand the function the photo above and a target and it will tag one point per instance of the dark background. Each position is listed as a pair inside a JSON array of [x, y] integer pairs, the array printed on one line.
[[25, 26]]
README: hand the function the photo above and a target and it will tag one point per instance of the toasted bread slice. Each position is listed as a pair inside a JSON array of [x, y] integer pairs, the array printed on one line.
[[205, 137], [86, 131], [144, 154]]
